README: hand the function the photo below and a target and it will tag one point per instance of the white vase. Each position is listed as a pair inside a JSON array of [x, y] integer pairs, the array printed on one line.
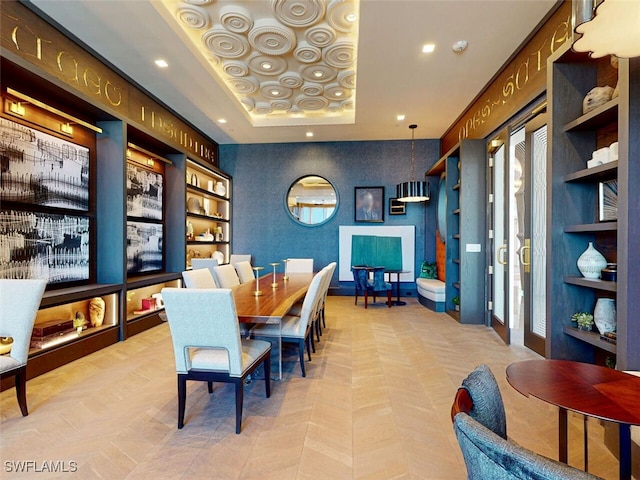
[[604, 315], [591, 263]]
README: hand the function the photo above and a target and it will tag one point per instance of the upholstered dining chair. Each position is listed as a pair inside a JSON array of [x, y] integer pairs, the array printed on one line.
[[226, 276], [300, 265], [19, 303], [245, 271], [237, 258], [489, 456], [207, 344], [294, 329], [332, 268], [209, 263], [365, 286], [199, 278]]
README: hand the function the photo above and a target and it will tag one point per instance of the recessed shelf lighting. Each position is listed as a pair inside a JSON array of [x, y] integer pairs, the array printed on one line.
[[428, 47], [161, 63], [400, 117], [222, 120], [309, 134]]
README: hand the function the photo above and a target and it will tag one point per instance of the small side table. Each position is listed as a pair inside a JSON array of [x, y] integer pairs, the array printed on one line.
[[397, 302]]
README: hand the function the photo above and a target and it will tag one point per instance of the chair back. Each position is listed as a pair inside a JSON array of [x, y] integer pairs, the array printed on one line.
[[226, 276], [245, 272], [300, 265], [19, 304], [379, 283], [487, 405], [237, 258], [200, 278], [203, 318], [210, 263], [311, 300], [361, 278], [331, 268], [488, 455]]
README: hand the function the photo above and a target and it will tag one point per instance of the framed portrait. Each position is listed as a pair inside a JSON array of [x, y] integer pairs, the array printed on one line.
[[369, 204], [40, 169], [396, 207], [144, 192], [44, 245], [608, 201], [144, 247]]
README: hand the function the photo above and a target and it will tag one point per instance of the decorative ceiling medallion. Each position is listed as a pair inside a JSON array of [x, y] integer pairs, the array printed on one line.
[[236, 19], [194, 16], [298, 13], [287, 62], [225, 44], [270, 37]]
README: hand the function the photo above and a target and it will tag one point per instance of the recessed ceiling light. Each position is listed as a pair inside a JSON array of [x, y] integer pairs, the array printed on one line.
[[309, 134], [338, 93], [460, 46], [266, 65], [318, 74], [161, 63], [400, 117], [428, 47], [275, 93], [222, 120], [351, 17]]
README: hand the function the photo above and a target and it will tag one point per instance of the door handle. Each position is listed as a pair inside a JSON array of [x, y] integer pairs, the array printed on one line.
[[502, 250], [525, 255]]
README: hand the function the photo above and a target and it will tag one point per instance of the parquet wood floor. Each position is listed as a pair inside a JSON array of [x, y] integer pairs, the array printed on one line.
[[375, 405]]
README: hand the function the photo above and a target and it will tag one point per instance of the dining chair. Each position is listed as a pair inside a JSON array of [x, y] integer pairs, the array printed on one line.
[[294, 329], [332, 268], [324, 289], [226, 276], [245, 271], [479, 396], [19, 303], [199, 278], [488, 455], [210, 263], [237, 258], [300, 265], [207, 344], [365, 285]]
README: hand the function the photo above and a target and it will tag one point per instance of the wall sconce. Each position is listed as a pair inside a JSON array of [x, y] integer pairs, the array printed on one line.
[[14, 108]]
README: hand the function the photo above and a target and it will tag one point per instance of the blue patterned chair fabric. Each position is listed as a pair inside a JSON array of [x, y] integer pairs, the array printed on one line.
[[489, 456], [488, 408], [365, 285]]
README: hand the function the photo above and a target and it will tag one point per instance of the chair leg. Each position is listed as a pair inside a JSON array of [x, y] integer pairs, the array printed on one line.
[[239, 401], [356, 302], [324, 319], [301, 353], [21, 390], [210, 385], [308, 340], [366, 299], [267, 375], [312, 342], [389, 298], [182, 399], [316, 323]]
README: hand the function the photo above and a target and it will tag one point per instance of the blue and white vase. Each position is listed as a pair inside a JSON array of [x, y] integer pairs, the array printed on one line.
[[591, 263], [604, 315]]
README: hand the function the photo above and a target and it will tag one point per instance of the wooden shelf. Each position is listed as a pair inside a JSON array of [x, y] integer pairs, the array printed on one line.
[[72, 337], [132, 316], [145, 281], [62, 296], [456, 186], [592, 227], [207, 217], [206, 193], [456, 211], [438, 168], [600, 117], [607, 171], [592, 338], [194, 242], [595, 284]]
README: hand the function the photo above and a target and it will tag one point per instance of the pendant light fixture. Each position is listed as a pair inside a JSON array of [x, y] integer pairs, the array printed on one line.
[[413, 190]]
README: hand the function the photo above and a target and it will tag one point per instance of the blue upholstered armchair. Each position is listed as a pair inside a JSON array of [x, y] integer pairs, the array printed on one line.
[[364, 285]]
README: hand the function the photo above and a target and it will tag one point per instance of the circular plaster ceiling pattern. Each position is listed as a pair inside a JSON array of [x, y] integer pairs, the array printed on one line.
[[236, 19], [312, 89], [348, 104], [307, 53], [347, 78], [281, 104], [266, 64], [298, 13], [274, 91], [321, 35], [311, 103], [199, 2], [334, 107], [271, 37], [337, 92], [224, 43], [263, 108], [248, 103], [244, 85], [341, 15], [339, 55], [193, 16], [291, 80], [235, 68], [318, 72]]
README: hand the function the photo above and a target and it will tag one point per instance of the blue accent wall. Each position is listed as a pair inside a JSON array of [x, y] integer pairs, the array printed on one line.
[[263, 173]]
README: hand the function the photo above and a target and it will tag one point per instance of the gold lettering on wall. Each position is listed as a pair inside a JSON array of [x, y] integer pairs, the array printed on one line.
[[519, 83]]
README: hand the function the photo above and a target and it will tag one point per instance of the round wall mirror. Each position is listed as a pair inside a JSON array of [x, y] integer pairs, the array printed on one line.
[[312, 200]]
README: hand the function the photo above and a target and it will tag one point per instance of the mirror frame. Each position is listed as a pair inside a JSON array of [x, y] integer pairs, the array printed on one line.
[[441, 215], [302, 224]]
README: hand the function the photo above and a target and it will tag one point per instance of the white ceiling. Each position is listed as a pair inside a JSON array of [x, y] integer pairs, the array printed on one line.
[[394, 76]]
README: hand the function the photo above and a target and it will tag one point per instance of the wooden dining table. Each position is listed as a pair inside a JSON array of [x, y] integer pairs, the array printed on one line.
[[587, 389], [274, 303]]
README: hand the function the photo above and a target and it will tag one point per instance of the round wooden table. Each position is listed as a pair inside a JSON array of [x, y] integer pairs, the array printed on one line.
[[583, 388]]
